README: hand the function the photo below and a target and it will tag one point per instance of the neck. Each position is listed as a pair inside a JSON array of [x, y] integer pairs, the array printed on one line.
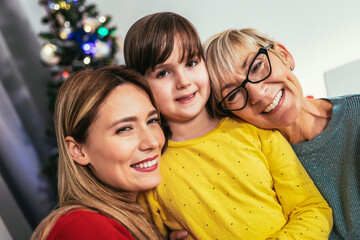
[[193, 128], [312, 120]]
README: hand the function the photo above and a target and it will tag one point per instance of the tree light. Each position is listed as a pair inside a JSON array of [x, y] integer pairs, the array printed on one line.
[[103, 31], [87, 60], [87, 28]]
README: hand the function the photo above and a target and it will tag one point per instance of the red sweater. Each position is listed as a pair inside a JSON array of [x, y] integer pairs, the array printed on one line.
[[82, 224]]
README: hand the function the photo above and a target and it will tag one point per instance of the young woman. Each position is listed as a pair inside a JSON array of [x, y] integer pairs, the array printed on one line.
[[110, 142]]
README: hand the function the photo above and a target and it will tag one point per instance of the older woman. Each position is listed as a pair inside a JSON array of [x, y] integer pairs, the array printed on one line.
[[252, 78], [110, 143]]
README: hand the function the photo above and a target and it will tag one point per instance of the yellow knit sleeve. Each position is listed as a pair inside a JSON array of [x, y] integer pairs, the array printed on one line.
[[308, 214], [153, 211]]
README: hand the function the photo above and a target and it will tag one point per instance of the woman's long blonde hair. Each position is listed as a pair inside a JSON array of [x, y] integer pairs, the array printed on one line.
[[76, 107]]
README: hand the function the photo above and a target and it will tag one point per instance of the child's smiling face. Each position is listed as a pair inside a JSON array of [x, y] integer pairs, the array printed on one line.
[[181, 88]]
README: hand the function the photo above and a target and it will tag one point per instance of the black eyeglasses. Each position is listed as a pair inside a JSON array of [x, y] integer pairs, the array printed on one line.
[[259, 70]]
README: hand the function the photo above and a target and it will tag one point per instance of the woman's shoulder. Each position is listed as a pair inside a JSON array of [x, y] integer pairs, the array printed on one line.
[[347, 104], [355, 98], [86, 224]]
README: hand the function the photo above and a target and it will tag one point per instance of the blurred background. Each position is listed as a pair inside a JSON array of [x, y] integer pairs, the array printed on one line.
[[322, 35]]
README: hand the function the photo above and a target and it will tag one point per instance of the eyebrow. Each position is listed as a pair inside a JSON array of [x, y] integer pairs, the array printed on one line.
[[152, 113], [229, 85], [161, 65], [245, 62], [132, 118], [243, 66]]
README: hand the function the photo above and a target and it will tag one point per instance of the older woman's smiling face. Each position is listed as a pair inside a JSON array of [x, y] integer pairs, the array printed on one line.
[[274, 102], [125, 140]]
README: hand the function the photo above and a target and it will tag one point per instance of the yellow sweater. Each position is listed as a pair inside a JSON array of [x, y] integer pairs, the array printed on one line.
[[237, 182]]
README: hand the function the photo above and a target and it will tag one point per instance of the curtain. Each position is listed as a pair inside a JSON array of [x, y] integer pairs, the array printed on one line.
[[24, 115]]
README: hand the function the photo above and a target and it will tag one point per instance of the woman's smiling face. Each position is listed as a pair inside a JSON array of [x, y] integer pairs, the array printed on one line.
[[274, 102], [125, 140]]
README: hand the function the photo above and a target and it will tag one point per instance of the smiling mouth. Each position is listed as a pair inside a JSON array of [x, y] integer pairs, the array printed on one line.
[[186, 99], [146, 164], [274, 103]]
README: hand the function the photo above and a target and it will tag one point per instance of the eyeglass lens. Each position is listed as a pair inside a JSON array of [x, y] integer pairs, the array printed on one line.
[[258, 71]]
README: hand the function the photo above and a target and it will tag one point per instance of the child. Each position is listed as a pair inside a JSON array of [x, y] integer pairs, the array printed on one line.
[[221, 179]]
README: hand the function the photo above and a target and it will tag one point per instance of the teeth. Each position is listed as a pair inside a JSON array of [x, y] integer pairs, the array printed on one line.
[[145, 165], [274, 103]]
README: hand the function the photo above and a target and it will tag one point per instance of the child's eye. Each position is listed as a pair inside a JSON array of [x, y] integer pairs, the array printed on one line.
[[162, 74], [191, 63], [153, 120], [123, 129]]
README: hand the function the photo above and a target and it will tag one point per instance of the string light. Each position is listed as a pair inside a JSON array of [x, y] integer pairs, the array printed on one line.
[[48, 54], [87, 28], [56, 7], [87, 60], [113, 33], [65, 74], [63, 5], [102, 19], [103, 31], [65, 32], [89, 48], [49, 49]]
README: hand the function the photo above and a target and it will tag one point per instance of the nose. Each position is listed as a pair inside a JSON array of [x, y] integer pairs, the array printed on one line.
[[149, 139], [182, 81], [256, 91]]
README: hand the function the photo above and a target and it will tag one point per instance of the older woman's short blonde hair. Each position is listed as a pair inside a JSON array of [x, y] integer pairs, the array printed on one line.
[[222, 53]]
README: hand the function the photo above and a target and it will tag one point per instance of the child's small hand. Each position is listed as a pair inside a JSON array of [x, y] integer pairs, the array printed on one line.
[[178, 235]]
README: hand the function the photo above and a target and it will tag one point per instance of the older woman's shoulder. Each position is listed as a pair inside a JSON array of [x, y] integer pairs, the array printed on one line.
[[348, 98]]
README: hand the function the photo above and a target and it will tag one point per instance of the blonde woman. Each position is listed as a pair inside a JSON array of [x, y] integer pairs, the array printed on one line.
[[252, 78], [110, 141]]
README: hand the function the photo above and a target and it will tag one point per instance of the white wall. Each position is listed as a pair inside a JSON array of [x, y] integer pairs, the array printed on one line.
[[321, 34], [343, 80]]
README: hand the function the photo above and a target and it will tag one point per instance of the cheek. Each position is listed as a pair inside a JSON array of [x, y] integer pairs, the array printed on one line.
[[204, 84], [161, 92], [161, 137], [297, 87]]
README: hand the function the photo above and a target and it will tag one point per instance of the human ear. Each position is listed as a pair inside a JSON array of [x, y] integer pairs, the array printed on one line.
[[287, 57], [76, 151]]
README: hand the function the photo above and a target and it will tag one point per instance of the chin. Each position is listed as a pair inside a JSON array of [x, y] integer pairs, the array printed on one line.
[[150, 183]]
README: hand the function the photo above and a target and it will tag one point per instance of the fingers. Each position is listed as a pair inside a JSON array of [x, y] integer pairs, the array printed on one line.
[[178, 235]]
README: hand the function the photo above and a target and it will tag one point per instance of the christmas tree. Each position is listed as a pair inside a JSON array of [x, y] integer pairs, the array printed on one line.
[[79, 37]]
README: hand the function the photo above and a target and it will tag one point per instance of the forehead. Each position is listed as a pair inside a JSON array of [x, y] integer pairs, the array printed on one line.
[[246, 51], [239, 59], [124, 101], [179, 52]]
